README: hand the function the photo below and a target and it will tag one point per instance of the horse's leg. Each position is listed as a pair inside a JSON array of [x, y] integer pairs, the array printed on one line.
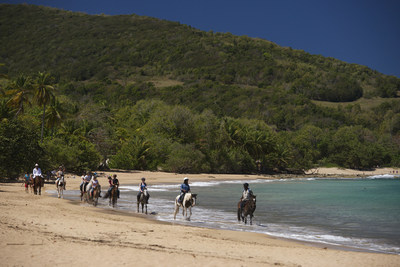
[[251, 219], [146, 207], [190, 213], [138, 207], [176, 210]]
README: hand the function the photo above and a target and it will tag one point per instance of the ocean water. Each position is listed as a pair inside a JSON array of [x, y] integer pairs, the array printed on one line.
[[356, 213]]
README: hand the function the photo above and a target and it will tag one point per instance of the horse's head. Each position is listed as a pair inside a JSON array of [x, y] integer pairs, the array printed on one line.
[[145, 192], [194, 198]]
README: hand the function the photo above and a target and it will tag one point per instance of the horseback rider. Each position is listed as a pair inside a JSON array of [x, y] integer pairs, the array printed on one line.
[[247, 193], [85, 180], [142, 187], [60, 176], [113, 182], [37, 172], [185, 188], [110, 187], [95, 184]]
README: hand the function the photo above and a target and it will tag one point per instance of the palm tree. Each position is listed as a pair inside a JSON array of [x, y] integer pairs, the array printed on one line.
[[54, 114], [21, 90], [43, 94]]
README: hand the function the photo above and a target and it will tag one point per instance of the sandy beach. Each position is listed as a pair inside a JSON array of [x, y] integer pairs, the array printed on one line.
[[46, 231]]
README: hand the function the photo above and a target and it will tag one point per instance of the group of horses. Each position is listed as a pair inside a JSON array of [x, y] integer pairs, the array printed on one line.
[[93, 199], [189, 200], [187, 203], [36, 184]]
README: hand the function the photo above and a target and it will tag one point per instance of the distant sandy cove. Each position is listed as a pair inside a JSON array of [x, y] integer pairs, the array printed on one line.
[[46, 231]]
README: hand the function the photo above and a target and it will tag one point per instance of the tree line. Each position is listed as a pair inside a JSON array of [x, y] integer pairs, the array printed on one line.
[[38, 124]]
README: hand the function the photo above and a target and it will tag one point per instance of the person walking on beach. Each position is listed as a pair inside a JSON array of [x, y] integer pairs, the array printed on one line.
[[28, 182], [143, 186], [185, 188], [247, 193]]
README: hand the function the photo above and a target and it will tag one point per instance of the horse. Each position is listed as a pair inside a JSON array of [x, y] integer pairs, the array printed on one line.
[[96, 194], [248, 209], [60, 187], [84, 190], [143, 200], [188, 202], [38, 183], [113, 196]]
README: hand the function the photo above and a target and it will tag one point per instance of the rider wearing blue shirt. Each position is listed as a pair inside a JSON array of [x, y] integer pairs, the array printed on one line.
[[185, 187]]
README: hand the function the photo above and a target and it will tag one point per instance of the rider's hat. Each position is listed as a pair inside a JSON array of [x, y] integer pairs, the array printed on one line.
[[184, 179], [246, 185], [109, 177], [36, 165], [143, 178]]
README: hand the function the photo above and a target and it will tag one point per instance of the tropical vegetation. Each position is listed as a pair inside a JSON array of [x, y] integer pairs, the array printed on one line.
[[133, 92]]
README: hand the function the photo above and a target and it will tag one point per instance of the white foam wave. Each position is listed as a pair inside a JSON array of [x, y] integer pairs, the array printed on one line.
[[384, 176]]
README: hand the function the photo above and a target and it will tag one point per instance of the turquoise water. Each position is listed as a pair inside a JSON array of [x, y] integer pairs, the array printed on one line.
[[357, 213]]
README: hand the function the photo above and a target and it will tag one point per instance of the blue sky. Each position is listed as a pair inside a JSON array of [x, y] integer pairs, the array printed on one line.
[[365, 32]]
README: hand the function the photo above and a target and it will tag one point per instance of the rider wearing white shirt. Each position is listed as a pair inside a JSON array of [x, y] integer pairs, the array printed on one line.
[[37, 171]]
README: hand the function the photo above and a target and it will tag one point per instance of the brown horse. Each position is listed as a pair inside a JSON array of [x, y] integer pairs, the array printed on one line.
[[38, 183], [248, 209], [113, 196], [96, 193]]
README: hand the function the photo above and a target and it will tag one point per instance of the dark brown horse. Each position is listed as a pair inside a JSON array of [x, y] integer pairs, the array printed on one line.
[[248, 209], [113, 196], [38, 183]]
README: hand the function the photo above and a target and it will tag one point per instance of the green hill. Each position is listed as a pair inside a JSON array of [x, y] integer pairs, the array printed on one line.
[[128, 79]]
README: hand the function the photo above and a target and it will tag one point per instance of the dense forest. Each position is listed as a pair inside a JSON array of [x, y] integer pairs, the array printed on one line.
[[139, 93]]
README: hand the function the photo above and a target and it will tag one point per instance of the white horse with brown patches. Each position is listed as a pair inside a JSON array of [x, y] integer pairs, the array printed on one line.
[[188, 202]]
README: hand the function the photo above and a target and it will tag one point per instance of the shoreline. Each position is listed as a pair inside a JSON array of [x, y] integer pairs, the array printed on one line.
[[30, 223]]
